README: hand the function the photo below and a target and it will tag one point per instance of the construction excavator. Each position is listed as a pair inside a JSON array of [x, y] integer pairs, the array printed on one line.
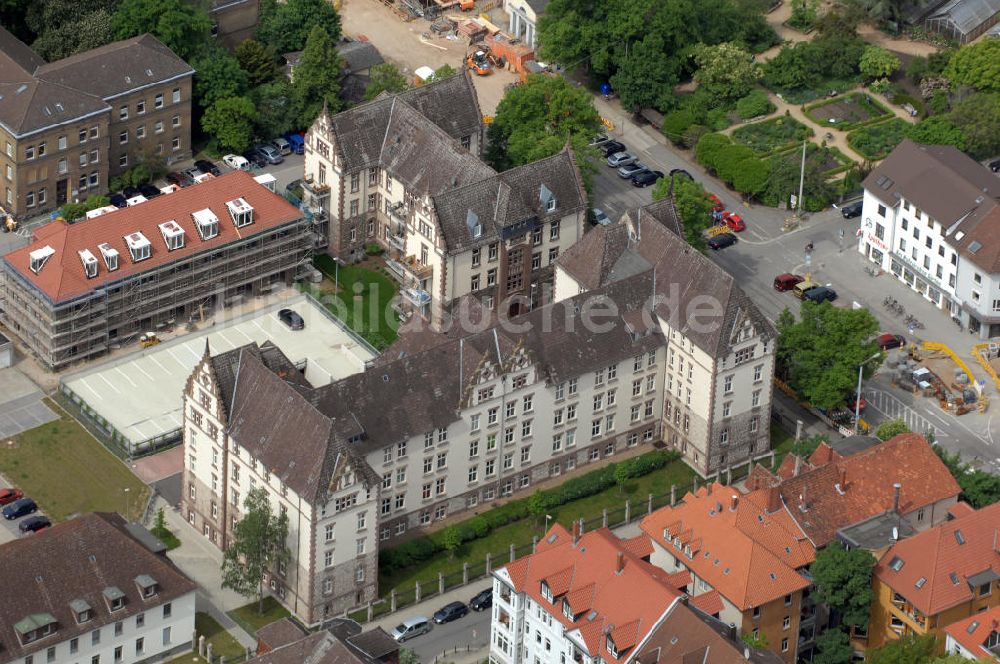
[[479, 62]]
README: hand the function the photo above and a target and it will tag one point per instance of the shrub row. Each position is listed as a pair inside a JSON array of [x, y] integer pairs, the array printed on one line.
[[883, 112], [423, 548]]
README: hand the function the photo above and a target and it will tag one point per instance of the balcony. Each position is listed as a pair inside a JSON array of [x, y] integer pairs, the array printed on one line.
[[316, 192], [400, 213], [416, 297], [397, 241]]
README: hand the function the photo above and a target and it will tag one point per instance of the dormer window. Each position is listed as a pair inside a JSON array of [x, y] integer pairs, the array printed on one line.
[[473, 223], [612, 650], [241, 212], [567, 611], [173, 235], [89, 263], [81, 611], [546, 198], [39, 257], [34, 627], [546, 591], [551, 205], [147, 585], [110, 255], [114, 597], [207, 223], [138, 246]]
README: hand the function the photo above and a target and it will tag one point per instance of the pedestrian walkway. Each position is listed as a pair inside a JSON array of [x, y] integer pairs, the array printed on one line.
[[892, 408]]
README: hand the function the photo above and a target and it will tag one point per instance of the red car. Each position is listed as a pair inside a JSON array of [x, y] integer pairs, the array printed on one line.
[[734, 221], [787, 281], [717, 205], [8, 496], [888, 341]]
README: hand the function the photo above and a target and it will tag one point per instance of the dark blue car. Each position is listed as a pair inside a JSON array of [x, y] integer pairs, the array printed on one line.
[[19, 508]]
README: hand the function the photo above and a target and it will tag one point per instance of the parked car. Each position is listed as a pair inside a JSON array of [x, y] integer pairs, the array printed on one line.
[[118, 200], [852, 210], [449, 612], [599, 140], [19, 508], [787, 281], [482, 601], [410, 628], [270, 153], [131, 192], [9, 495], [646, 178], [291, 319], [612, 147], [600, 218], [148, 190], [995, 165], [205, 166], [619, 159], [236, 162], [282, 146], [734, 221], [888, 341], [34, 523], [721, 241], [180, 179], [297, 142], [255, 158], [636, 167], [820, 294]]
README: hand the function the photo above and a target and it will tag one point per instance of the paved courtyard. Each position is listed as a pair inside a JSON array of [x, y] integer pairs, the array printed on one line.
[[21, 407]]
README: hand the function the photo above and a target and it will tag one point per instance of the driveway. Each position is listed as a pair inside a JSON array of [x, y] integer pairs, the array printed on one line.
[[9, 529], [21, 406]]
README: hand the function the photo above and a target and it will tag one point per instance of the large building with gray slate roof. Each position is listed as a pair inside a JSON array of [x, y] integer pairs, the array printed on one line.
[[403, 171], [475, 417], [71, 125]]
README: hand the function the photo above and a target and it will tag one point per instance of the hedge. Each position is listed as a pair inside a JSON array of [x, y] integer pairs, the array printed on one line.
[[423, 548], [883, 111]]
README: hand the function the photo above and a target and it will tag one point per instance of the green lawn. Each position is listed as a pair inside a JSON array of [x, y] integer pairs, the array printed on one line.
[[781, 443], [360, 297], [251, 620], [167, 537], [223, 643], [766, 137], [519, 533], [68, 472]]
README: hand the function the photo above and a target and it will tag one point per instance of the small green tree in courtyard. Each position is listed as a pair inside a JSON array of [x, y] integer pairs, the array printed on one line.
[[258, 545]]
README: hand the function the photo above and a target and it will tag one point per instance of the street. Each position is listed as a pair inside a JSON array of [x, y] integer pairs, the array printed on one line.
[[471, 630]]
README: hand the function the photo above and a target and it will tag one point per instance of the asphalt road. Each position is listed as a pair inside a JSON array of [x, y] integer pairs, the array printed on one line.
[[473, 628], [9, 529]]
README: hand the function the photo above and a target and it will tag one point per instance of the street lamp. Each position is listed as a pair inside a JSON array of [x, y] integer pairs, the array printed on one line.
[[126, 504], [857, 399], [547, 518]]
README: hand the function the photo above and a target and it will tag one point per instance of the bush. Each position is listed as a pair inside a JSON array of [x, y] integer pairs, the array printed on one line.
[[675, 123], [754, 105], [693, 134], [373, 249], [876, 141], [418, 550], [763, 138]]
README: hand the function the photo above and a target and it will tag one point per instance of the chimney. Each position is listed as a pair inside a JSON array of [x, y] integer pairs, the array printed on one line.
[[620, 563], [895, 497], [746, 653], [733, 502], [798, 465], [576, 532], [843, 479], [803, 505]]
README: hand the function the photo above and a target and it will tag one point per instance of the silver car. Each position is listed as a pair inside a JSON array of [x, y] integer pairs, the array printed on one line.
[[636, 167], [621, 159], [600, 218], [270, 153]]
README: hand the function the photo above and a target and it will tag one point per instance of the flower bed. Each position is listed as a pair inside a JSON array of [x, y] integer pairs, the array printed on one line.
[[770, 136], [876, 141], [846, 112]]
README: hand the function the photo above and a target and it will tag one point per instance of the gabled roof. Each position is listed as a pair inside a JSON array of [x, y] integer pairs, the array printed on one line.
[[75, 565], [359, 55], [749, 554], [974, 632], [62, 278], [848, 490], [31, 104], [626, 602], [16, 58], [945, 565]]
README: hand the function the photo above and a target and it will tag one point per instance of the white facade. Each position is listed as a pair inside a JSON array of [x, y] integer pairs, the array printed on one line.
[[159, 629], [523, 21]]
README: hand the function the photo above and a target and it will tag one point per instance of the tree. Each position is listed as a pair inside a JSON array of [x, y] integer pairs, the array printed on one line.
[[277, 111], [833, 647], [754, 104], [978, 117], [184, 27], [231, 121], [385, 77], [976, 66], [692, 205], [317, 77], [877, 62], [725, 71], [750, 175], [451, 539], [536, 505], [821, 352], [258, 544], [73, 211], [257, 60], [621, 476], [217, 75], [890, 429], [886, 11], [535, 120], [89, 31], [909, 649], [844, 582], [937, 130], [645, 77], [285, 26], [804, 14], [407, 656], [755, 642], [441, 73], [783, 181]]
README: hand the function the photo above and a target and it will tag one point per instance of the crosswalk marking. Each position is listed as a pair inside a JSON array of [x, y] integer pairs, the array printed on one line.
[[894, 409]]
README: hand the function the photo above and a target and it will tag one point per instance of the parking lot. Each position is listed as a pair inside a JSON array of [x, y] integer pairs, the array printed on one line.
[[9, 529]]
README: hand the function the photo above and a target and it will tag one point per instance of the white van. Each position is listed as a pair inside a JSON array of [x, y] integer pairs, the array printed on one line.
[[236, 162]]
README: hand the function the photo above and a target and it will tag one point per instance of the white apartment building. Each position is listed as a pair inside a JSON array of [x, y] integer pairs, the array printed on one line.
[[403, 172], [931, 216], [719, 348], [92, 589]]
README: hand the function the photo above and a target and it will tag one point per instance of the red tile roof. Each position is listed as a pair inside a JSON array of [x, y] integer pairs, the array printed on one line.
[[869, 476], [750, 554], [944, 566], [629, 601], [973, 632], [63, 277], [639, 546], [710, 602]]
